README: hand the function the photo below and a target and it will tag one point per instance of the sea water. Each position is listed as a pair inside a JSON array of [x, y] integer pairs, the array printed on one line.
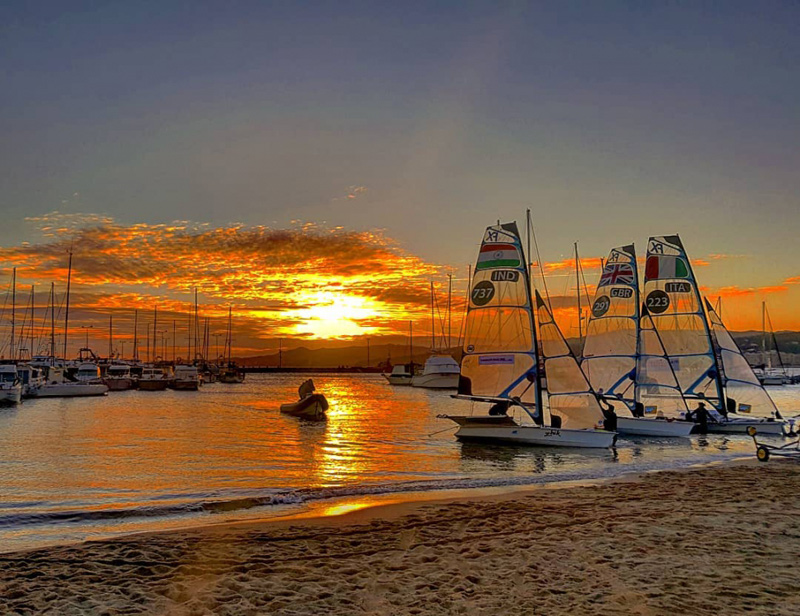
[[89, 468]]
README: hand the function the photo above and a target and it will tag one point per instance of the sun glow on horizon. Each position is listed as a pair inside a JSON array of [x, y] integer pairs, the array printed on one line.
[[335, 315]]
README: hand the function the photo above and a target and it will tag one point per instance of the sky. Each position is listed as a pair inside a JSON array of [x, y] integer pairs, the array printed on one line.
[[315, 165]]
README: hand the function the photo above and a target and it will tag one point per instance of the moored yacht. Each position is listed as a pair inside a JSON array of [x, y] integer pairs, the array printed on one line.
[[10, 384], [186, 378], [401, 374], [118, 377], [153, 379], [439, 372]]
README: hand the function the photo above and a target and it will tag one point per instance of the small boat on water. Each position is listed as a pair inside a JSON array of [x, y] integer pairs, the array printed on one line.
[[310, 405], [401, 374], [119, 378], [187, 378], [10, 385], [153, 379], [439, 372]]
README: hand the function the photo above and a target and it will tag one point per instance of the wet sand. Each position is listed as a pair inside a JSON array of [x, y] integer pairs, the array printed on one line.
[[719, 540]]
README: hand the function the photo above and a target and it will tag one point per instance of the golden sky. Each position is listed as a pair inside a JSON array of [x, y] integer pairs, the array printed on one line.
[[307, 284]]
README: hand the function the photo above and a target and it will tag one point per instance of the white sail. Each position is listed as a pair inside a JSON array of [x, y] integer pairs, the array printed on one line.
[[609, 353], [742, 386], [570, 396], [657, 388], [500, 338], [673, 302]]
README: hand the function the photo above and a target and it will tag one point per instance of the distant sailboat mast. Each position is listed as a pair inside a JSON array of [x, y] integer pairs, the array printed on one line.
[[12, 352], [66, 315]]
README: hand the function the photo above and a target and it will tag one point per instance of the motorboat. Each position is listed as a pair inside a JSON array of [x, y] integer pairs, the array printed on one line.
[[439, 372], [310, 405], [401, 374], [31, 377], [10, 384], [119, 378], [58, 385], [153, 379], [186, 378]]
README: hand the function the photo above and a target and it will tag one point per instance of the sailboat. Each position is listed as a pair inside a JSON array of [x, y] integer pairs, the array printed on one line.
[[673, 301], [744, 394], [440, 370], [230, 373], [501, 359], [623, 357], [770, 375]]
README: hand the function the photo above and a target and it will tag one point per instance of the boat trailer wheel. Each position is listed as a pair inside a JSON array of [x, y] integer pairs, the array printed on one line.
[[762, 453]]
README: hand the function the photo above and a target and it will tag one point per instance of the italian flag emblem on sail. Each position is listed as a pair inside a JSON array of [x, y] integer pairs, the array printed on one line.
[[498, 255], [659, 268]]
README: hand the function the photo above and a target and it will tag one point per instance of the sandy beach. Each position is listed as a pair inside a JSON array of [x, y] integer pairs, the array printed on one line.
[[719, 540]]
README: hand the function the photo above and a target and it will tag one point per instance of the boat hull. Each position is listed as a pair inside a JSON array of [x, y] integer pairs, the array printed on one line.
[[71, 390], [740, 426], [11, 395], [647, 426], [185, 385], [154, 385], [122, 384], [310, 407], [435, 381], [505, 431], [398, 380]]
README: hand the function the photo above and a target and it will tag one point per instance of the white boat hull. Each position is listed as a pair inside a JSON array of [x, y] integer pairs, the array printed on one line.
[[739, 426], [534, 435], [398, 380], [68, 390], [648, 426], [11, 395], [435, 381]]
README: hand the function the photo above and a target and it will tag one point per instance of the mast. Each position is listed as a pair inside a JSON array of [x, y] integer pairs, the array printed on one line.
[[13, 310], [33, 315], [155, 333], [136, 334], [52, 320], [538, 382], [578, 295], [110, 336], [766, 357], [147, 347], [411, 345], [173, 339], [230, 335], [449, 311], [196, 325], [66, 315], [433, 323]]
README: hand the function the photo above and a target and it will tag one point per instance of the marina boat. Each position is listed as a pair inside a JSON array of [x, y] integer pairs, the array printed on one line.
[[31, 377], [501, 365], [153, 379], [624, 358], [10, 384], [58, 385], [119, 378], [230, 373], [401, 374], [310, 405], [439, 372], [186, 378]]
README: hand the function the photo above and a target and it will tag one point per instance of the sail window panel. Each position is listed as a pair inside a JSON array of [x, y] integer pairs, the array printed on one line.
[[608, 374], [492, 375], [553, 344], [656, 371], [724, 339], [736, 368], [506, 287], [683, 335], [564, 376], [693, 374], [750, 399], [661, 399], [577, 411], [611, 336], [498, 329]]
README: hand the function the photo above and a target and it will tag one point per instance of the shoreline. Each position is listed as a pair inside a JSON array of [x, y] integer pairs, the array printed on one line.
[[722, 538]]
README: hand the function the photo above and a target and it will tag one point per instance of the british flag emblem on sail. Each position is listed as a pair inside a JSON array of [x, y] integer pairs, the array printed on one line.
[[616, 273]]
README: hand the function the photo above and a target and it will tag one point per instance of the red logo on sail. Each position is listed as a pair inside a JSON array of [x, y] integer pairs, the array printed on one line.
[[617, 273]]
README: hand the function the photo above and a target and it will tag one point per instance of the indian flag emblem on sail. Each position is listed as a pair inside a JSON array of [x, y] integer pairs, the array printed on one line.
[[659, 268], [498, 255]]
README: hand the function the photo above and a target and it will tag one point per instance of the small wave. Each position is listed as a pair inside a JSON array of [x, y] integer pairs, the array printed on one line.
[[304, 495]]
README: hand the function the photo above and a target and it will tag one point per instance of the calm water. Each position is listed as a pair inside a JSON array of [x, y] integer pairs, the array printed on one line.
[[73, 469]]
